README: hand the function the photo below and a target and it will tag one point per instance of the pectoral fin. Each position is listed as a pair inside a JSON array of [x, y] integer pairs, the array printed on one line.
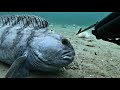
[[17, 69]]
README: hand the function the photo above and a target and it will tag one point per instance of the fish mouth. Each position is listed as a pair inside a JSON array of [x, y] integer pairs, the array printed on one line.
[[68, 55]]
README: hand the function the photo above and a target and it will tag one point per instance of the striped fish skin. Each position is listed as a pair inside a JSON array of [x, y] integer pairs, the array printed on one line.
[[14, 32], [46, 51]]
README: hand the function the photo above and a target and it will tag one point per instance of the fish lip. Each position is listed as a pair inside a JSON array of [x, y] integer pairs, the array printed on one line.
[[65, 52], [67, 58], [68, 55]]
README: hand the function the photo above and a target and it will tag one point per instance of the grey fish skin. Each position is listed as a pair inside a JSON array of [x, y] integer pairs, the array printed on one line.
[[43, 50], [14, 34]]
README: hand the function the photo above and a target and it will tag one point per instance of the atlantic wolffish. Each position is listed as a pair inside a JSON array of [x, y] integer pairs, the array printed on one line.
[[27, 44]]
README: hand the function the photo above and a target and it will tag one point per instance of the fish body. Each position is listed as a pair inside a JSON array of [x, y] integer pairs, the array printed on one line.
[[27, 44]]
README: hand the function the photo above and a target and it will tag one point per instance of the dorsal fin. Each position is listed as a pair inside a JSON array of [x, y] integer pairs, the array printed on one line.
[[22, 20]]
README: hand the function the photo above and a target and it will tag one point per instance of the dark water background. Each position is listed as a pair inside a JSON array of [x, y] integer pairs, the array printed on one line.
[[78, 18]]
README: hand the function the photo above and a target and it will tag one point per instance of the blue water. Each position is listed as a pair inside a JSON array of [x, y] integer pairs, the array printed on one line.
[[78, 18]]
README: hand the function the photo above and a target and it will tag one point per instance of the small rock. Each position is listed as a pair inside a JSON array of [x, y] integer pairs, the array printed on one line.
[[90, 45], [76, 41], [83, 35], [83, 58], [51, 25], [84, 49], [90, 40], [73, 25], [64, 26], [95, 53]]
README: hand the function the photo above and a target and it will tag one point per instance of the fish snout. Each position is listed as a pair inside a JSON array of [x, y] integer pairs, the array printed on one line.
[[68, 53]]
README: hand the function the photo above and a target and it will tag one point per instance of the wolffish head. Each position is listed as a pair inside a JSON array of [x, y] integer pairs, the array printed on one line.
[[50, 53]]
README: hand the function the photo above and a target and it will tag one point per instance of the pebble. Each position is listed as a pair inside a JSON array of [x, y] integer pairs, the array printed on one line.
[[51, 25], [95, 53], [73, 25], [84, 49], [64, 26], [90, 45]]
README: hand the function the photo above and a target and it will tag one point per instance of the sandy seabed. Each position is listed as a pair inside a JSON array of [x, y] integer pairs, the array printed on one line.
[[94, 58]]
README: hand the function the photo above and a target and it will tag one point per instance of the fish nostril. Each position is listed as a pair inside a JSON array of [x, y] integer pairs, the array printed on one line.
[[65, 42]]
